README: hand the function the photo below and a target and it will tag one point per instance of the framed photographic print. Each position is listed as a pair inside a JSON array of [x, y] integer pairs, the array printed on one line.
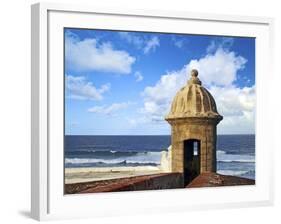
[[148, 111]]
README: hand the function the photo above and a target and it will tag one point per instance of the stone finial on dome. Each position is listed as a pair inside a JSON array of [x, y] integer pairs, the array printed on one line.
[[194, 79], [193, 101], [194, 72]]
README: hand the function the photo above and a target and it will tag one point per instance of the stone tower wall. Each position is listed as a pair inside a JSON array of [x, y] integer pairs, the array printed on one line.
[[205, 132]]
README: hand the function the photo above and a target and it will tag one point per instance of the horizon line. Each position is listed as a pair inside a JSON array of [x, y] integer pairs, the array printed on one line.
[[144, 135]]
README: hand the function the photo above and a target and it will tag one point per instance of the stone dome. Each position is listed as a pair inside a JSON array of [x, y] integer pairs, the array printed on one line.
[[193, 101]]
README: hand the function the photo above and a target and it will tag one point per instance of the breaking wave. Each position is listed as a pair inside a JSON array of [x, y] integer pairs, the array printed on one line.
[[222, 156], [112, 158]]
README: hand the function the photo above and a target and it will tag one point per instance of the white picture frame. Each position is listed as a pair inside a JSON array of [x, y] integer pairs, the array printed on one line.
[[47, 198]]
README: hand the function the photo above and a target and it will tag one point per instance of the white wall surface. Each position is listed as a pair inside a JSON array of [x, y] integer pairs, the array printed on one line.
[[15, 110]]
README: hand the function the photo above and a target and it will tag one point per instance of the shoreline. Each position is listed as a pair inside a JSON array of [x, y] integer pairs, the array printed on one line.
[[87, 174]]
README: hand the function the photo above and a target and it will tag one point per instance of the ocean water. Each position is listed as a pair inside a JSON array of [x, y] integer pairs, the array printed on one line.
[[235, 153]]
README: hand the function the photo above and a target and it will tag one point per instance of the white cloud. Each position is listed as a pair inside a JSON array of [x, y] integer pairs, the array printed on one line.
[[157, 98], [79, 88], [139, 76], [109, 110], [88, 54], [219, 68], [237, 105], [223, 43], [132, 39], [151, 45], [140, 41], [218, 72], [177, 42], [234, 101], [134, 122]]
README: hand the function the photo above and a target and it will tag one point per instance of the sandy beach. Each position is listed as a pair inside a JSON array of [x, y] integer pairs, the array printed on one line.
[[87, 174]]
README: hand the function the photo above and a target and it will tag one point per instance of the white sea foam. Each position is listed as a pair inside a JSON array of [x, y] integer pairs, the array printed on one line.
[[232, 172], [220, 152], [228, 158], [151, 158], [139, 158], [91, 160]]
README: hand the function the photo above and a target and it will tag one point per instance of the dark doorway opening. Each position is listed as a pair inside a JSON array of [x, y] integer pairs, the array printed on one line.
[[191, 160]]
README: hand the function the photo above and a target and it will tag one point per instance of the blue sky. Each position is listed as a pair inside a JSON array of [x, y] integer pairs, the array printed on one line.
[[122, 83]]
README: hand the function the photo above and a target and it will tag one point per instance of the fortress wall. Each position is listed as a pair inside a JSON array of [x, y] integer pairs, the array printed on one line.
[[163, 181], [147, 182]]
